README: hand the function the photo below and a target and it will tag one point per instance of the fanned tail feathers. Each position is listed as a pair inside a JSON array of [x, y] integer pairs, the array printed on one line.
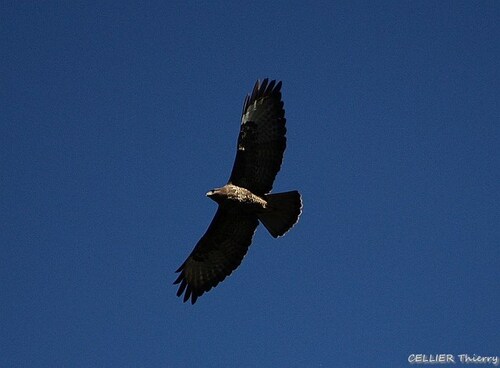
[[283, 211]]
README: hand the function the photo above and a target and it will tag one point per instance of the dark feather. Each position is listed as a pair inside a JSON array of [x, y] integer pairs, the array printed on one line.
[[262, 141], [218, 253]]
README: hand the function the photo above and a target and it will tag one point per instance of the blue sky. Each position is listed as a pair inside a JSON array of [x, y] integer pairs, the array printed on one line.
[[117, 117]]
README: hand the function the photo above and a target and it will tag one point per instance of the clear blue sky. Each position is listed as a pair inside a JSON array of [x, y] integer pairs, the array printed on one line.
[[116, 119]]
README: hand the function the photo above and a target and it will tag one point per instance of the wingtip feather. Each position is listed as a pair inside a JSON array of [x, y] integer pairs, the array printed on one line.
[[187, 294], [278, 87], [182, 286]]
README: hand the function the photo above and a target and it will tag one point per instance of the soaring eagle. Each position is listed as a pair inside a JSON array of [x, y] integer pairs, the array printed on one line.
[[245, 199]]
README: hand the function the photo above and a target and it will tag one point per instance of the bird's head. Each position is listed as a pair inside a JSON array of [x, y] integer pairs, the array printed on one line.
[[212, 194], [215, 194]]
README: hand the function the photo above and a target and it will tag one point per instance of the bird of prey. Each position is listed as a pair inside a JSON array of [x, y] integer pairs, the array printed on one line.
[[245, 199]]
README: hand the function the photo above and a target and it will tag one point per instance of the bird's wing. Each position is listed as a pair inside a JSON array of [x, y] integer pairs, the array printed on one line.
[[218, 253], [262, 140]]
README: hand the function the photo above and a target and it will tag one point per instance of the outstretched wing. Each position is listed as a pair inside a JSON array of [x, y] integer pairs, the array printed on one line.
[[262, 140], [218, 253]]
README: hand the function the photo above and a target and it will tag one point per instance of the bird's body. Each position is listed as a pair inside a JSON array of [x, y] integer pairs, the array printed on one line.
[[245, 200], [232, 195]]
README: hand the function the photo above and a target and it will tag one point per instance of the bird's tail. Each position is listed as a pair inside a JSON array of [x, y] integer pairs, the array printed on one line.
[[283, 211]]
